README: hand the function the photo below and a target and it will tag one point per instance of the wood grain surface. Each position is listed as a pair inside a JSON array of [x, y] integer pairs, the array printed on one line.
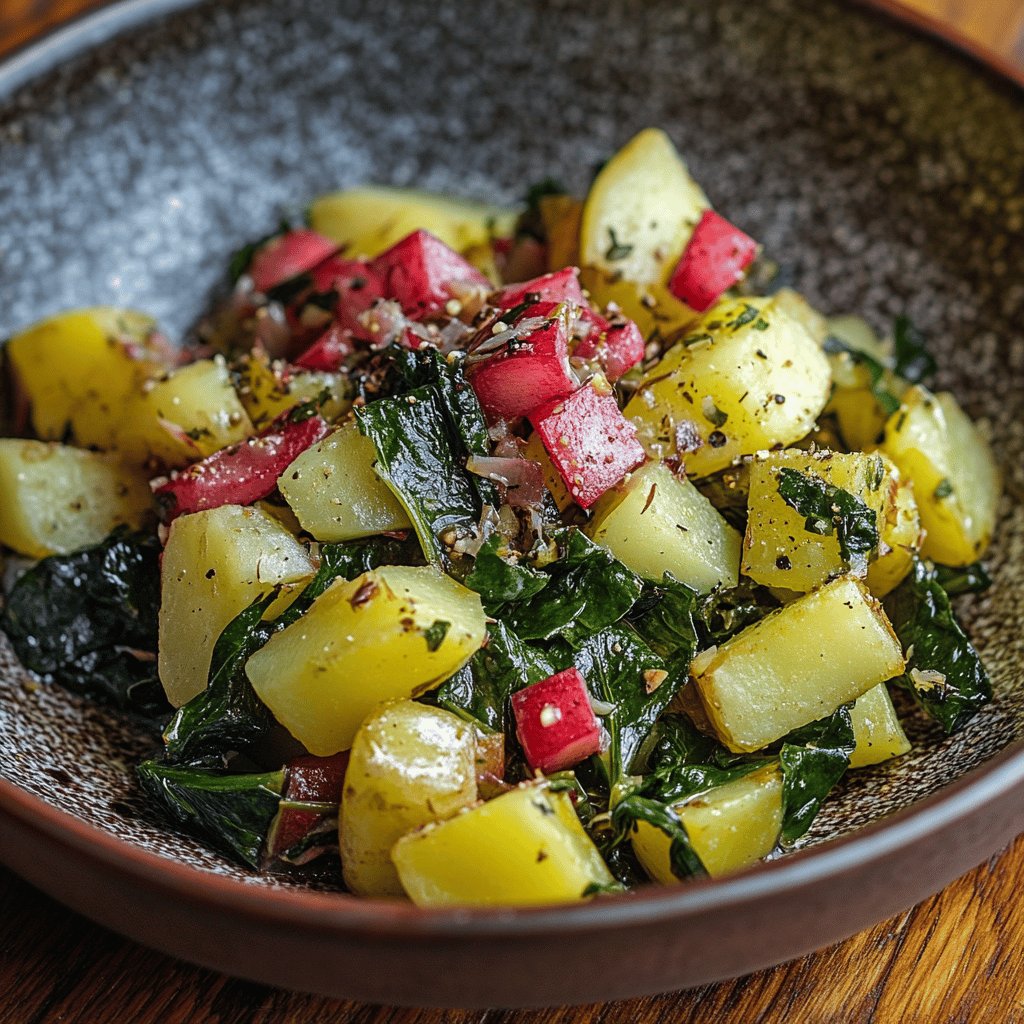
[[954, 959]]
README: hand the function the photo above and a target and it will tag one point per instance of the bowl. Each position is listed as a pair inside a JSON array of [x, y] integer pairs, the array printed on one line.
[[143, 144]]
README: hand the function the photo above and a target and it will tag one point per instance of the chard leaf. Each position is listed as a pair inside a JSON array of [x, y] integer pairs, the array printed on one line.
[[911, 358], [829, 510], [665, 618], [500, 580], [683, 858], [481, 690], [88, 620], [587, 589], [813, 758], [722, 614], [944, 671], [228, 716], [623, 671], [966, 579], [231, 812], [887, 401]]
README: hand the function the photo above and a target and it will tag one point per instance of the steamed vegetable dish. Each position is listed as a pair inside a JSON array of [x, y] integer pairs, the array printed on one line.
[[476, 555]]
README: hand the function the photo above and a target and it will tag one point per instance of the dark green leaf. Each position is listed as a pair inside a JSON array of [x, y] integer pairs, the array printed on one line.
[[435, 633], [912, 360], [616, 250], [722, 614], [230, 812], [500, 579], [813, 760], [481, 690], [965, 579], [683, 858], [944, 672], [829, 510], [88, 620], [588, 589]]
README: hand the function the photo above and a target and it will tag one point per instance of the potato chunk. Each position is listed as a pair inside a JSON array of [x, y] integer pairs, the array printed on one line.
[[746, 377], [410, 765], [77, 370], [371, 219], [186, 415], [778, 549], [335, 492], [901, 537], [57, 499], [215, 564], [657, 522], [637, 219], [526, 847], [876, 729], [394, 632], [729, 827], [956, 480], [797, 665]]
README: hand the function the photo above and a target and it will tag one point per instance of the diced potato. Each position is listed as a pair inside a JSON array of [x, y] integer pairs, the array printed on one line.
[[186, 415], [526, 847], [797, 665], [215, 564], [778, 551], [394, 632], [410, 765], [729, 827], [637, 220], [793, 303], [77, 370], [857, 333], [747, 377], [335, 492], [58, 499], [561, 217], [901, 537], [371, 219], [657, 522], [955, 477], [266, 390], [876, 729]]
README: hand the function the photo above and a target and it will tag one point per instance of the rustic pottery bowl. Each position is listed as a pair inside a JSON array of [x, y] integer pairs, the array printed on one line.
[[885, 173]]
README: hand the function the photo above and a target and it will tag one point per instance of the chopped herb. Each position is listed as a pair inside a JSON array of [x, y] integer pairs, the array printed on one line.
[[435, 633], [745, 316], [616, 250], [943, 490]]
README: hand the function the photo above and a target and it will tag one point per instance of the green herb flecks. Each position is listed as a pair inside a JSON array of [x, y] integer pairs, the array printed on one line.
[[616, 250]]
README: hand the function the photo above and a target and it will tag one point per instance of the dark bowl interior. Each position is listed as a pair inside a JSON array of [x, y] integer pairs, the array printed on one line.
[[885, 173]]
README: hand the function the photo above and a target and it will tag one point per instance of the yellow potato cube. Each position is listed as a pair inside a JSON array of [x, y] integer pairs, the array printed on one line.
[[956, 480], [747, 377], [215, 564], [657, 522], [410, 765], [902, 536], [58, 499], [335, 492], [394, 632], [267, 390], [797, 665], [729, 827], [876, 729], [524, 848], [778, 549]]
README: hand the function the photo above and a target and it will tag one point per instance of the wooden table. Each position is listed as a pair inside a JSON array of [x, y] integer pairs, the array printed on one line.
[[955, 959]]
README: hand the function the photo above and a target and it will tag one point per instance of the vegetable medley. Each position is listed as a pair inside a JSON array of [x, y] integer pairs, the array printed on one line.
[[492, 556]]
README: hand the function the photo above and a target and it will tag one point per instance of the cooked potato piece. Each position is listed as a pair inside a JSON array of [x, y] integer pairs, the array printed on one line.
[[410, 765], [955, 477], [793, 303], [657, 522], [797, 665], [266, 390], [215, 564], [335, 492], [637, 219], [901, 537], [77, 370], [876, 728], [394, 632], [729, 827], [371, 219], [58, 499], [561, 217], [526, 847], [747, 377], [778, 549], [186, 415]]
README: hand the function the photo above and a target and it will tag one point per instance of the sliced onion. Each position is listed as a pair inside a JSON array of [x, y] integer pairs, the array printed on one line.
[[523, 479]]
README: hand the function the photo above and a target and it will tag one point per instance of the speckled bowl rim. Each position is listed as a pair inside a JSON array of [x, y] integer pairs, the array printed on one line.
[[967, 797]]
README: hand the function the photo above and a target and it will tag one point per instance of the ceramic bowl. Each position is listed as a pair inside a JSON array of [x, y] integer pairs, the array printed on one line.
[[139, 147]]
